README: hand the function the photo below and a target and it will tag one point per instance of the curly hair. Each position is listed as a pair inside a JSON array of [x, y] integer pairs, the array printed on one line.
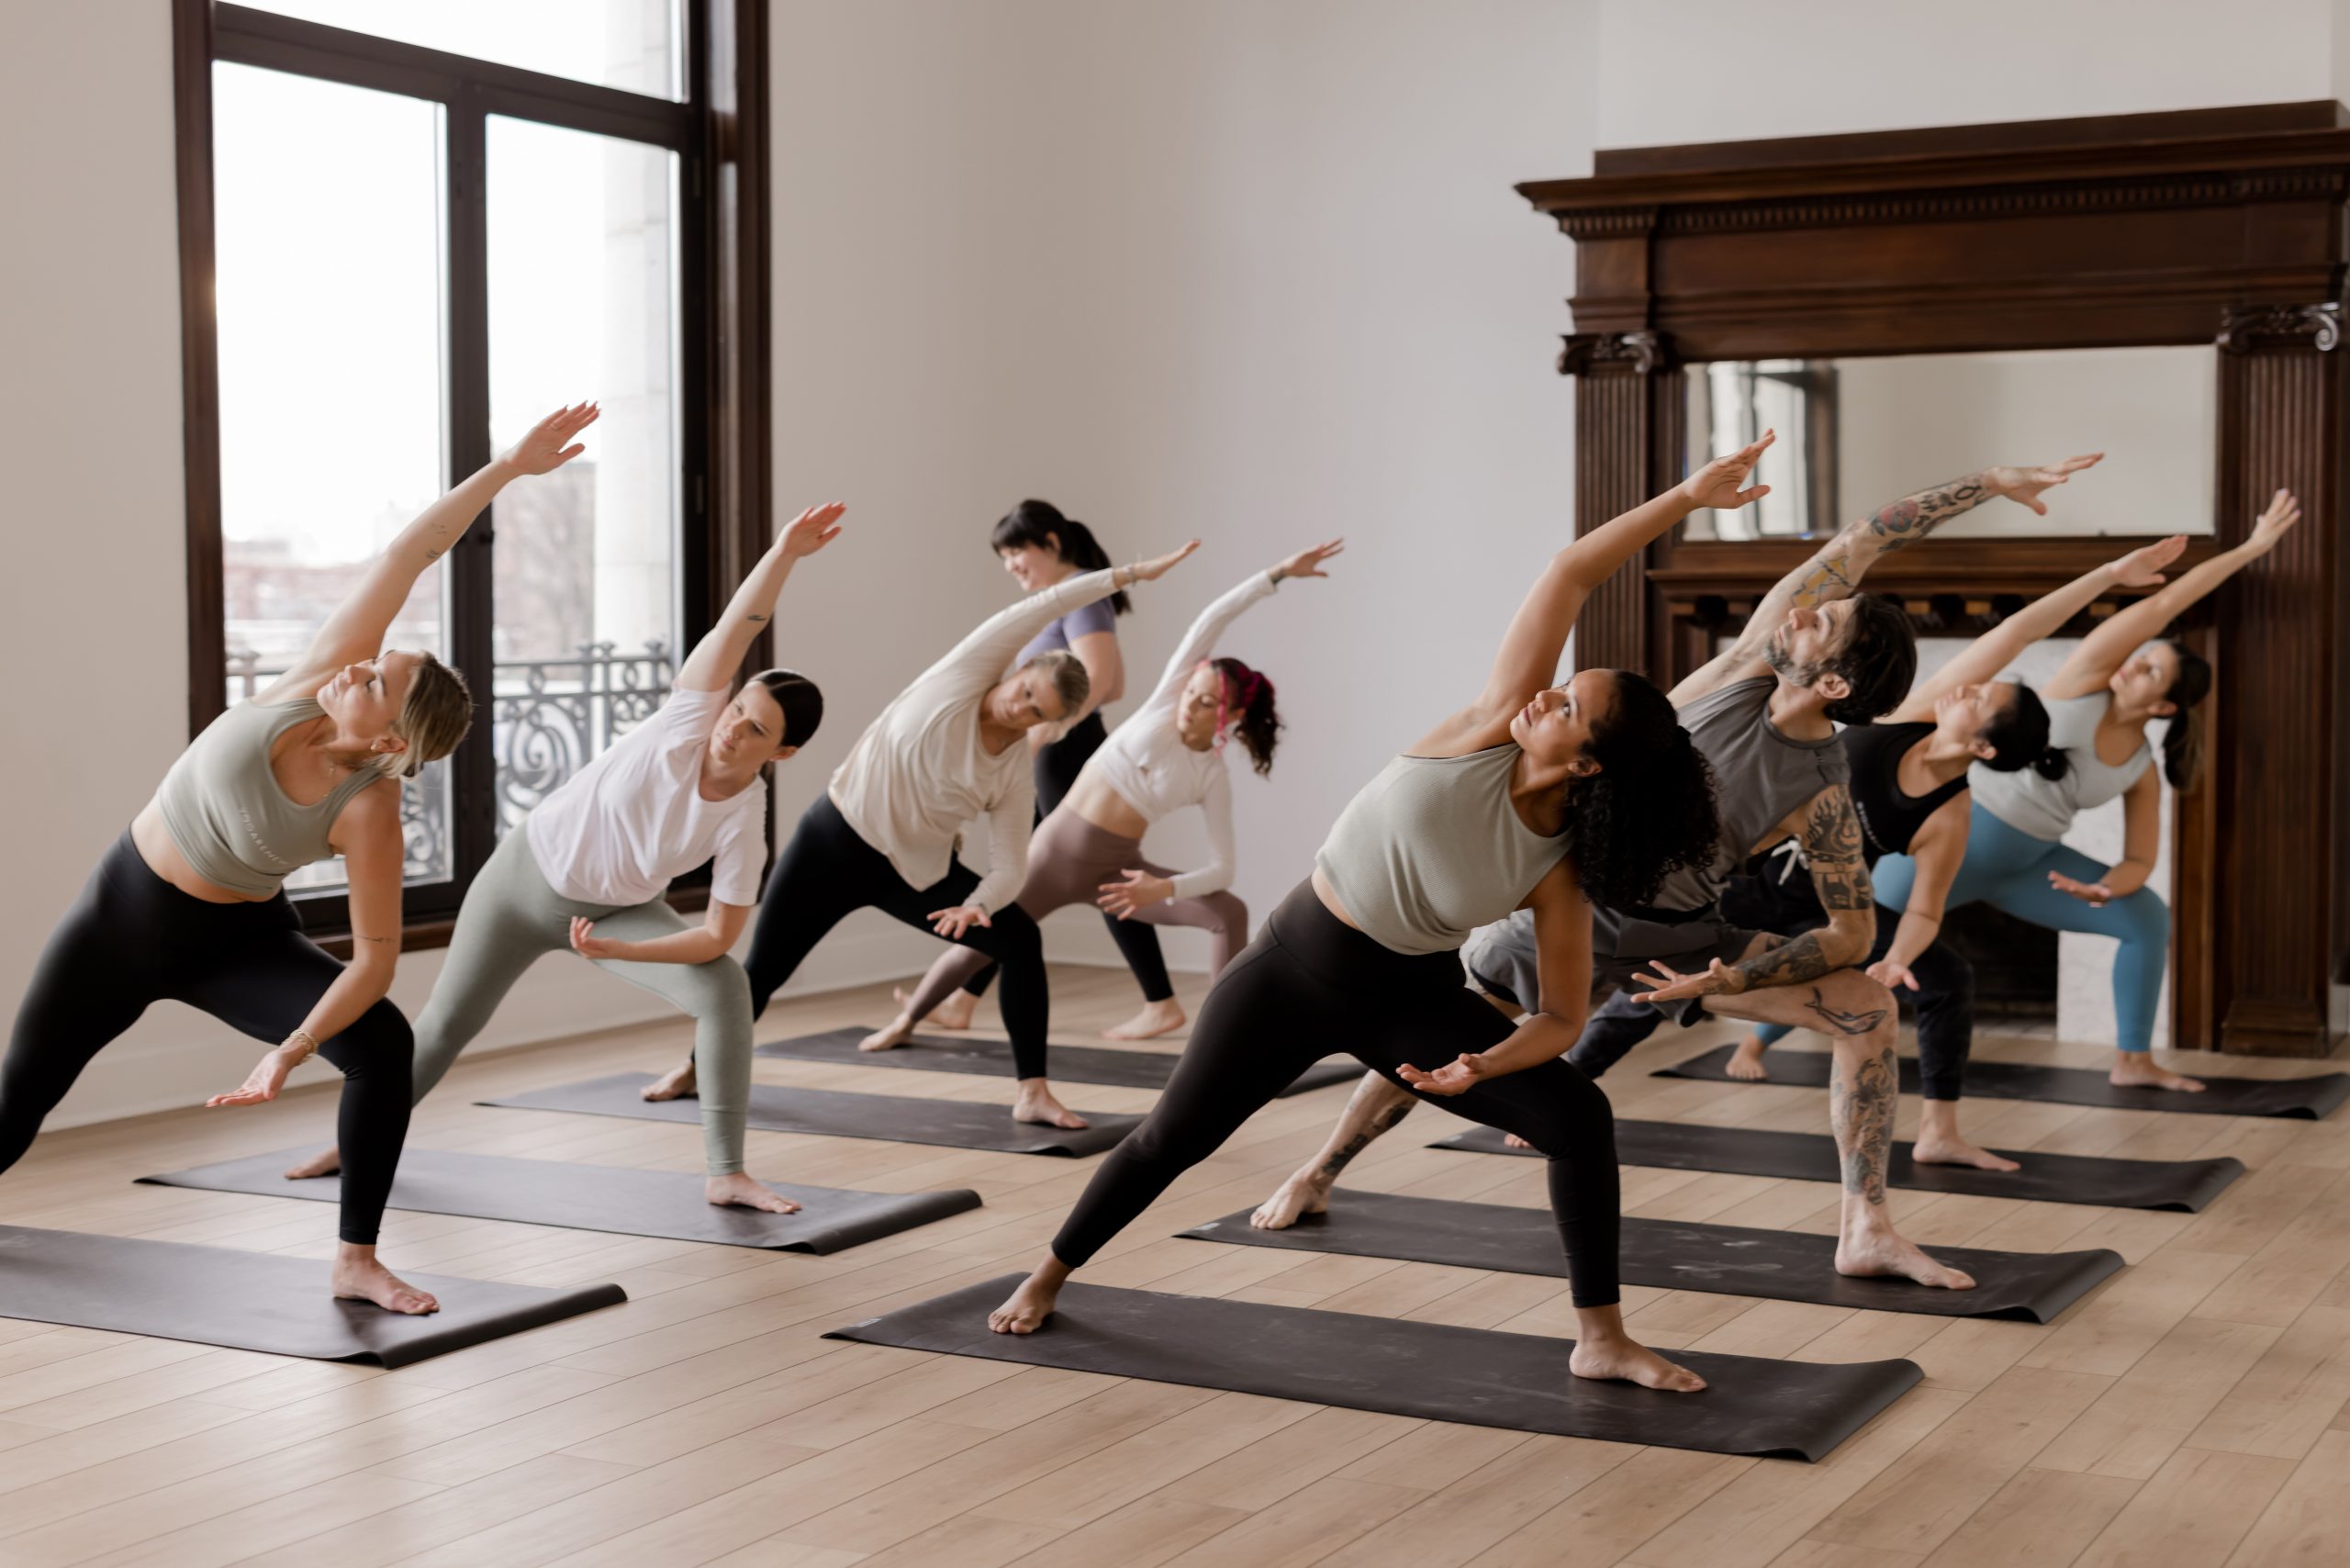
[[1258, 726], [1649, 811]]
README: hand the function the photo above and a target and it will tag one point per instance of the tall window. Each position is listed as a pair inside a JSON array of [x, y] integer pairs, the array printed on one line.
[[429, 222]]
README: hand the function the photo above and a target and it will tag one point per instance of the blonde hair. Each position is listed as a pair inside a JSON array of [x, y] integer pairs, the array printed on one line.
[[1068, 676], [435, 719]]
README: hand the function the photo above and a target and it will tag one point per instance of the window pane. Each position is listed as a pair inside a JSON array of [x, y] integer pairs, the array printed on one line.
[[328, 207], [582, 305], [631, 44]]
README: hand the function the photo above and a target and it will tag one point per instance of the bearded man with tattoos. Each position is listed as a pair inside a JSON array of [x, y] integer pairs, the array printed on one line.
[[1763, 714]]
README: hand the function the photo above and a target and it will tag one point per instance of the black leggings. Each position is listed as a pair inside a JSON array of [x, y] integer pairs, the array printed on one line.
[[131, 939], [827, 871], [1308, 980], [1944, 999], [1056, 768]]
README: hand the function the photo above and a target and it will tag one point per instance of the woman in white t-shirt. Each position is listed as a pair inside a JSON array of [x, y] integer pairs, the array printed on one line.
[[589, 867]]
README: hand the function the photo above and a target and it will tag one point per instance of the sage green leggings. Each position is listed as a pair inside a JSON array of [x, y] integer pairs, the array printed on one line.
[[511, 918]]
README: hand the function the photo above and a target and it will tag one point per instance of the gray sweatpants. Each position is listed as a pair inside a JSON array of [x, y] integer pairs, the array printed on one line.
[[511, 917]]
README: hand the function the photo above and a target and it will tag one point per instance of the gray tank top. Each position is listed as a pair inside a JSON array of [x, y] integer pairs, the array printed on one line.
[[1431, 849], [228, 815], [2045, 808], [1760, 776]]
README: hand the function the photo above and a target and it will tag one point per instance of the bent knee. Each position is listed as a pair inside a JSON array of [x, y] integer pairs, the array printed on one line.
[[2149, 917], [723, 994]]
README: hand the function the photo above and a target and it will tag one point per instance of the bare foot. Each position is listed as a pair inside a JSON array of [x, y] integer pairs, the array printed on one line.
[[1746, 1062], [1026, 1309], [955, 1012], [677, 1083], [1511, 1140], [1879, 1253], [1624, 1361], [1958, 1151], [1037, 1104], [1156, 1018], [1299, 1197], [326, 1162], [365, 1280], [739, 1191], [899, 1030], [2136, 1070]]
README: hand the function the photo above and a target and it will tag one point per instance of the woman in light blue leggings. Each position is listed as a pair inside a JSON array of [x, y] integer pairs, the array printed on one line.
[[2123, 675]]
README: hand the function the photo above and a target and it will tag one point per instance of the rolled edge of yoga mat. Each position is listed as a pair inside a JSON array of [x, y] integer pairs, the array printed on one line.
[[615, 1200], [1430, 1371]]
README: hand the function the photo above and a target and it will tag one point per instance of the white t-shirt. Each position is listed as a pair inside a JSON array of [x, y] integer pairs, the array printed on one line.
[[616, 832]]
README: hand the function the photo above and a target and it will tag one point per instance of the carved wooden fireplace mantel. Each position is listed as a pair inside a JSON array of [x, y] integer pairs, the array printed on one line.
[[2221, 226]]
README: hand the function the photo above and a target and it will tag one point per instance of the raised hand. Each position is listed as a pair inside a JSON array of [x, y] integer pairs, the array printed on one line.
[[547, 446], [1461, 1073], [2097, 895], [1888, 974], [1157, 566], [952, 923], [2142, 568], [587, 944], [2024, 486], [2284, 511], [1717, 484], [1307, 563], [810, 531], [1139, 890]]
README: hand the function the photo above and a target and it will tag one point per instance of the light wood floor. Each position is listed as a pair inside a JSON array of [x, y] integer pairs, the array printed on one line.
[[2194, 1410]]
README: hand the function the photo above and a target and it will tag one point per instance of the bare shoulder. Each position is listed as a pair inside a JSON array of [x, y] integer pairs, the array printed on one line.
[[369, 816]]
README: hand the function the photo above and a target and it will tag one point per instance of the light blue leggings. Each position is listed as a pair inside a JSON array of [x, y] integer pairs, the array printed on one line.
[[2008, 869]]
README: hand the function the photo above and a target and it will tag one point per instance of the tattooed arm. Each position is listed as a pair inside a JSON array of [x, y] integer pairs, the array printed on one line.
[[1835, 570], [1839, 874], [357, 628], [712, 666]]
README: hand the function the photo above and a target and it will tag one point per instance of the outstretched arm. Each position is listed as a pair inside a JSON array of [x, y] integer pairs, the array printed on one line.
[[1209, 628], [976, 661], [712, 666], [2106, 649], [2044, 616], [1839, 875], [358, 626], [1835, 570], [1563, 960]]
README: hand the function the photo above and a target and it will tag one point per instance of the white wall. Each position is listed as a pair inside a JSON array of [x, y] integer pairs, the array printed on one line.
[[1250, 273], [1725, 70]]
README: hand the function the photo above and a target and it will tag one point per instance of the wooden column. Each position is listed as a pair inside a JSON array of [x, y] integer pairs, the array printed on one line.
[[1624, 414], [2275, 809]]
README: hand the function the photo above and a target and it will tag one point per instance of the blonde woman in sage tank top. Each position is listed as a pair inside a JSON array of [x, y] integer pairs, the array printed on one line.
[[189, 904]]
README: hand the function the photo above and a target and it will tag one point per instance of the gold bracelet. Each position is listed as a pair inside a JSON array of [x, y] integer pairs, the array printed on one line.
[[301, 1037]]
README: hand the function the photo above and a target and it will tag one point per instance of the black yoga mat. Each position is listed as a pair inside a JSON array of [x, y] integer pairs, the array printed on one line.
[[1811, 1156], [1728, 1259], [257, 1301], [993, 1059], [598, 1197], [2309, 1098], [958, 1124], [1433, 1371]]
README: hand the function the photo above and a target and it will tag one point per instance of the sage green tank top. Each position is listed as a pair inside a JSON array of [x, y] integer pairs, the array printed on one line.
[[228, 815], [1431, 849]]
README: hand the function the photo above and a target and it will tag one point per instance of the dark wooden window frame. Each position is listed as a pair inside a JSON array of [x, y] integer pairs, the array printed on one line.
[[720, 136], [2224, 226]]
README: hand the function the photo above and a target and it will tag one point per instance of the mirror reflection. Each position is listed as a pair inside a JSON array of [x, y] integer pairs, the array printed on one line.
[[1855, 433]]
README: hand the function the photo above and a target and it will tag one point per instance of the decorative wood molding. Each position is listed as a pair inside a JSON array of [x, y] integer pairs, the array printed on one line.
[[2183, 228], [2240, 328], [1644, 351]]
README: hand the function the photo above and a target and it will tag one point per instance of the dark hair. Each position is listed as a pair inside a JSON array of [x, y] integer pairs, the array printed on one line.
[[1878, 660], [2183, 741], [1259, 725], [1650, 809], [2017, 735], [802, 704], [1040, 524]]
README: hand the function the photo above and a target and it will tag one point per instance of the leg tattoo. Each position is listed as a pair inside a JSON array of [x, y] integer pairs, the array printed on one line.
[[1863, 1119], [1841, 1022]]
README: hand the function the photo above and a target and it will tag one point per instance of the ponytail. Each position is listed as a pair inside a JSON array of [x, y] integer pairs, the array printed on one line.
[[1042, 524], [1258, 726], [2183, 741]]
